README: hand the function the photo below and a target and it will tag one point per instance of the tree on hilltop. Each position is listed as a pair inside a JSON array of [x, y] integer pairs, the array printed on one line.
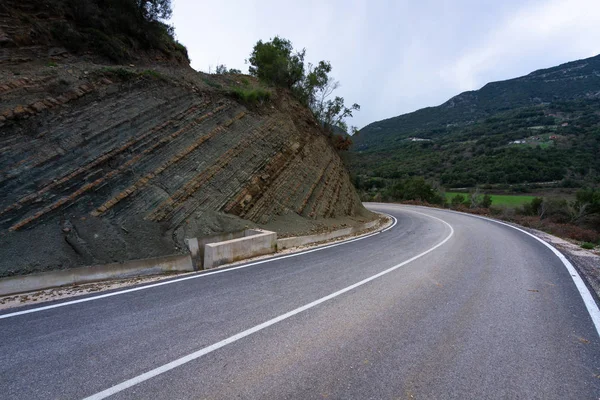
[[155, 10], [277, 63]]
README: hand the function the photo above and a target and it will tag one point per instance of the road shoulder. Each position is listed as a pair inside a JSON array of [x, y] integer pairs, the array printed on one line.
[[94, 288], [586, 262]]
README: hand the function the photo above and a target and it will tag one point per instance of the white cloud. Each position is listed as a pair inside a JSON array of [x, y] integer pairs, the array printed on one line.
[[395, 56], [550, 31]]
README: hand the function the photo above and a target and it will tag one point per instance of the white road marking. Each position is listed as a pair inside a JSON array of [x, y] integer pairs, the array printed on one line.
[[196, 276], [195, 355]]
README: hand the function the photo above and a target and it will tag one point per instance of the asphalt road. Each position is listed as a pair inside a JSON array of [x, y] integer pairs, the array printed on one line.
[[490, 313]]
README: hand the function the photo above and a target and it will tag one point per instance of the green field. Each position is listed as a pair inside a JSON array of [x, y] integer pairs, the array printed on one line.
[[499, 199]]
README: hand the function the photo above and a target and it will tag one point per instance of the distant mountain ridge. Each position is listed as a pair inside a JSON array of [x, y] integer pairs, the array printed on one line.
[[573, 80], [541, 127]]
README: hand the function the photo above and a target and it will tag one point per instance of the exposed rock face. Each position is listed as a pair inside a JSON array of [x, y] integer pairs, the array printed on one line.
[[113, 169], [102, 163]]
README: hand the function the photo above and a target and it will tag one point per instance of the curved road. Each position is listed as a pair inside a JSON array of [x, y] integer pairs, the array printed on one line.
[[441, 306]]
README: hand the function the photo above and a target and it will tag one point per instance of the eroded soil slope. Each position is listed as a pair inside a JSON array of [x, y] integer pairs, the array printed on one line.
[[104, 164]]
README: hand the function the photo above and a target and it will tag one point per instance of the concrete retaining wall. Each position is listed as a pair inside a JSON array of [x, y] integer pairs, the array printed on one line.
[[45, 280], [197, 245], [254, 243], [229, 247], [322, 237]]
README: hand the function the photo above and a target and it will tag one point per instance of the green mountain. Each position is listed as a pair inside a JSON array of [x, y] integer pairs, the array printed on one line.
[[541, 127]]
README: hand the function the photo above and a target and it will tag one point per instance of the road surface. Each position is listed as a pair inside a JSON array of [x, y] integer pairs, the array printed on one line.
[[441, 306]]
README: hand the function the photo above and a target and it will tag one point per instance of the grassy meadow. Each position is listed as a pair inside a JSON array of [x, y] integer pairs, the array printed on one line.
[[499, 199]]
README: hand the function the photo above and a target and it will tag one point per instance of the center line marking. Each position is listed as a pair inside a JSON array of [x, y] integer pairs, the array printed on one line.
[[197, 354]]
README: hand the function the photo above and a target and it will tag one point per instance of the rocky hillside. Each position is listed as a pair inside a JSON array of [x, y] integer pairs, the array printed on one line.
[[537, 128], [102, 162]]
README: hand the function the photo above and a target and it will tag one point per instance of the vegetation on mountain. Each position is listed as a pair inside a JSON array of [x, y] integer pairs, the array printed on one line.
[[544, 127], [251, 95], [555, 142], [116, 29], [221, 69]]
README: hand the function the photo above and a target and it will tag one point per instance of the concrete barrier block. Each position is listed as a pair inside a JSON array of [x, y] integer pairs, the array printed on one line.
[[219, 237], [254, 243], [193, 246]]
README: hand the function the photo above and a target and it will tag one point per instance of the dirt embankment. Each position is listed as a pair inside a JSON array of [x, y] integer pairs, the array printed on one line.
[[103, 163]]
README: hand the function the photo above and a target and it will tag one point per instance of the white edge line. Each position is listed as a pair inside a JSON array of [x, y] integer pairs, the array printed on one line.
[[197, 354], [195, 276], [584, 292]]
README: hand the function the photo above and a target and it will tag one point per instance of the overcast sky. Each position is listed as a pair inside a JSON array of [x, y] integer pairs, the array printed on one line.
[[394, 57]]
